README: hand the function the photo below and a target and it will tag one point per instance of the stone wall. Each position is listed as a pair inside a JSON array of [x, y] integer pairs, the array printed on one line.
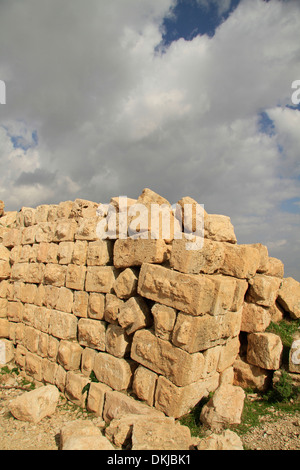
[[143, 316]]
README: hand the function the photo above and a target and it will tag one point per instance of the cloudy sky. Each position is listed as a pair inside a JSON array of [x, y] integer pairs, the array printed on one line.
[[187, 97]]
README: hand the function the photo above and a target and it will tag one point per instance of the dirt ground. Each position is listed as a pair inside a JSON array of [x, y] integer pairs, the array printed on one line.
[[281, 433]]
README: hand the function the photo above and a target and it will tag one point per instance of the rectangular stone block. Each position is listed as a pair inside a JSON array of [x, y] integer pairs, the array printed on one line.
[[64, 300], [12, 237], [55, 275], [75, 278], [134, 315], [3, 308], [33, 366], [15, 311], [100, 279], [45, 232], [241, 261], [125, 285], [192, 294], [65, 230], [69, 355], [49, 370], [75, 382], [115, 372], [177, 401], [47, 253], [80, 305], [80, 252], [163, 358], [99, 253], [65, 252], [91, 333], [5, 270], [87, 229], [194, 334], [4, 328], [28, 235], [96, 306], [34, 273], [135, 252], [63, 325], [96, 398], [208, 259], [87, 361], [117, 341]]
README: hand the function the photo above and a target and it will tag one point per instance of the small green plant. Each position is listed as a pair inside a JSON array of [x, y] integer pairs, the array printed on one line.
[[286, 330], [283, 390]]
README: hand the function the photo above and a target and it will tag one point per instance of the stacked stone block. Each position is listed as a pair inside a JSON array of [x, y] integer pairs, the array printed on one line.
[[142, 316]]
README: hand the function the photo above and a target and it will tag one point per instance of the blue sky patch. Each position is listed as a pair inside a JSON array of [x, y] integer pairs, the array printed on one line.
[[292, 206], [191, 19], [266, 125]]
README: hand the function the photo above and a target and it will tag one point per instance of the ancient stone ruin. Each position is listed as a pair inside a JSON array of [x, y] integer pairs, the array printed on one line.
[[140, 324]]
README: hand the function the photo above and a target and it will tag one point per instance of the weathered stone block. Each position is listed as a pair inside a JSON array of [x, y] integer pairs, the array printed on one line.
[[100, 253], [55, 275], [294, 357], [80, 252], [117, 341], [75, 382], [15, 311], [69, 355], [100, 279], [47, 253], [177, 401], [118, 404], [45, 232], [87, 361], [75, 278], [263, 290], [113, 371], [63, 325], [64, 301], [255, 318], [125, 285], [195, 334], [264, 350], [112, 308], [96, 306], [250, 376], [144, 384], [275, 267], [96, 398], [219, 228], [35, 405], [65, 252], [163, 358], [135, 252], [134, 315], [80, 306], [12, 238], [208, 259], [164, 320], [241, 261], [91, 333], [65, 230], [289, 297]]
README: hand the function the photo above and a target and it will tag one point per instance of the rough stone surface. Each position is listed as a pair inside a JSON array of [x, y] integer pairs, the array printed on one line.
[[289, 297], [35, 405], [227, 440]]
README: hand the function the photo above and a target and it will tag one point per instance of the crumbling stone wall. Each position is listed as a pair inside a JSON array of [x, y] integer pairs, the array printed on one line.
[[144, 316]]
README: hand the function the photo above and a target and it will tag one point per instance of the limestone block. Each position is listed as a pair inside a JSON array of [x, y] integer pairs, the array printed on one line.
[[28, 314], [289, 297], [241, 261], [190, 215], [64, 301], [227, 440], [275, 267], [164, 320], [31, 339], [27, 293], [100, 253], [83, 208], [219, 228], [41, 213], [100, 279], [63, 325], [195, 334], [263, 290], [12, 238], [228, 353], [20, 355], [33, 366], [255, 318], [96, 398], [224, 408], [147, 435], [87, 229], [45, 232], [118, 404], [91, 333], [35, 405], [47, 253], [126, 283], [163, 358], [7, 351], [15, 311], [134, 315], [250, 376], [117, 341], [113, 371], [5, 270], [69, 355], [53, 345], [207, 259], [75, 278], [15, 254], [2, 208], [27, 254], [28, 235], [65, 230], [80, 306], [64, 209], [34, 273], [80, 252], [112, 308], [264, 257], [87, 361], [177, 401], [55, 275], [88, 443], [294, 357], [65, 252], [75, 382], [96, 306], [49, 370], [189, 293], [144, 384], [264, 350], [43, 344], [4, 286], [3, 308], [276, 312], [41, 318], [61, 378], [52, 213], [135, 252]]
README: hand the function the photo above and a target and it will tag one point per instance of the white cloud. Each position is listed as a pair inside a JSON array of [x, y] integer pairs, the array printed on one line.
[[113, 115]]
